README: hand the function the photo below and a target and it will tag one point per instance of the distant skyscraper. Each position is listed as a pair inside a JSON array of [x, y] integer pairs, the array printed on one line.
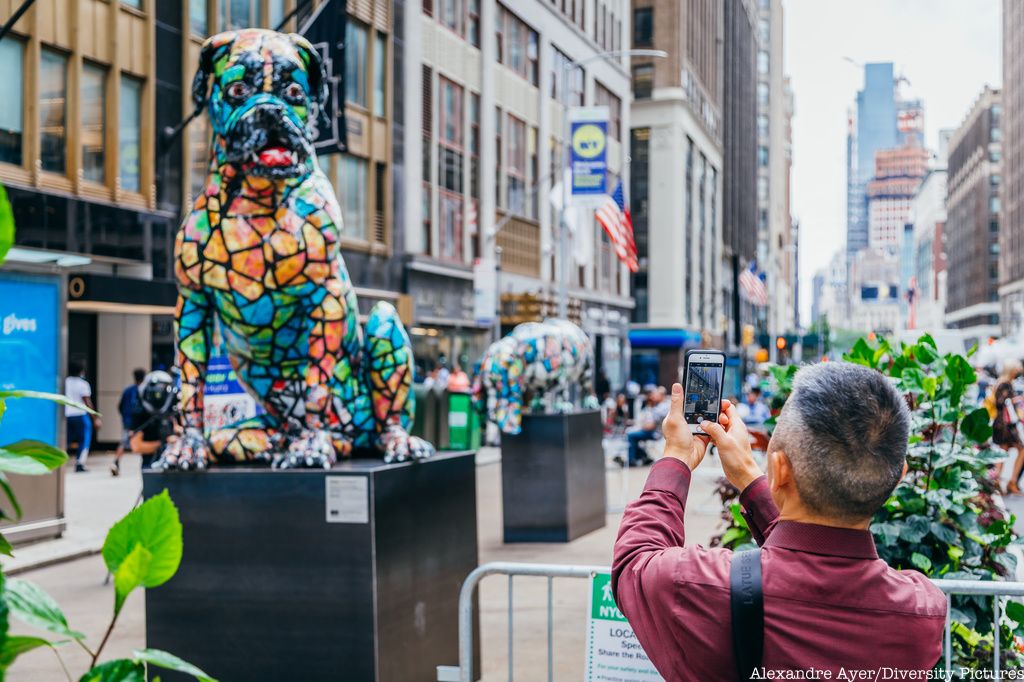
[[1011, 226], [874, 128]]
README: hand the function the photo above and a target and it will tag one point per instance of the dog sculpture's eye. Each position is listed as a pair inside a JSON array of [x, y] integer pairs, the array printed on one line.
[[294, 92], [238, 90]]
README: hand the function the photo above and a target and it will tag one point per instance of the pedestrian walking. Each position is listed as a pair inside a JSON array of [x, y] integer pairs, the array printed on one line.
[[753, 411], [1004, 427], [126, 407], [817, 578], [79, 422]]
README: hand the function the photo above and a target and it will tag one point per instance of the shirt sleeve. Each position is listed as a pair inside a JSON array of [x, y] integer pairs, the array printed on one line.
[[643, 567], [759, 509]]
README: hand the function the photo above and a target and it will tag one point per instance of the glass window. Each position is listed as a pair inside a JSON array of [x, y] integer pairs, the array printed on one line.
[[643, 81], [473, 22], [129, 125], [93, 104], [12, 123], [137, 4], [355, 64], [380, 66], [762, 62], [242, 15], [516, 166], [275, 13], [474, 145], [451, 14], [604, 97], [351, 188], [532, 57], [450, 139], [762, 125], [53, 82], [762, 94], [450, 227], [762, 156], [197, 17]]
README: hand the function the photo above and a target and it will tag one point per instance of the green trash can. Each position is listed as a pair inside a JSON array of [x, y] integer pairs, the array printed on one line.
[[463, 423]]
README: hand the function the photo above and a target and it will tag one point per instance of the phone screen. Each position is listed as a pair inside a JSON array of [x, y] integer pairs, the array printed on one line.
[[703, 391]]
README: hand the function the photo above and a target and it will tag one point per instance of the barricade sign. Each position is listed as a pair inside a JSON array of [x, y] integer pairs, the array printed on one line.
[[613, 652]]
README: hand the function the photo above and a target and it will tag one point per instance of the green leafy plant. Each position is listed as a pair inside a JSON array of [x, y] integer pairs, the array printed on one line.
[[141, 550], [6, 224], [943, 518]]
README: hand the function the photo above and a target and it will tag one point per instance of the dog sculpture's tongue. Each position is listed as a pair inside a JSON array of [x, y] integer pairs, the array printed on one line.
[[275, 156]]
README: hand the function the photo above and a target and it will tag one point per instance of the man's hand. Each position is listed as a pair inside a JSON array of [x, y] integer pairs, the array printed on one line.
[[733, 442], [679, 442]]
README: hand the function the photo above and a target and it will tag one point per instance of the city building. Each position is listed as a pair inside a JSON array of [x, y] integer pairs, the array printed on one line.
[[776, 249], [928, 216], [485, 90], [831, 301], [739, 177], [872, 126], [818, 283], [875, 305], [98, 188], [676, 120], [1011, 230], [972, 220], [891, 191]]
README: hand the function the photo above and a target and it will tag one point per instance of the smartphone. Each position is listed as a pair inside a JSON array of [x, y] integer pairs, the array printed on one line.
[[702, 387]]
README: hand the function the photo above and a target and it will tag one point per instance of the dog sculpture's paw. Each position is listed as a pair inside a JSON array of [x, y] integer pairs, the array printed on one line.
[[399, 446], [188, 451], [310, 450], [591, 403]]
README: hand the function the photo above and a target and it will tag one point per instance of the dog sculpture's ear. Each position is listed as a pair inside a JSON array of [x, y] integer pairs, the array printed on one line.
[[212, 50], [314, 68]]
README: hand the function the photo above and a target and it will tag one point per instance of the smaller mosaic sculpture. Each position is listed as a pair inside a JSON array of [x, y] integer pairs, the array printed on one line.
[[536, 365]]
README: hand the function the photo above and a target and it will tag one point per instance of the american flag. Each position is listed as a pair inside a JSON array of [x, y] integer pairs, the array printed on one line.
[[752, 286], [614, 218]]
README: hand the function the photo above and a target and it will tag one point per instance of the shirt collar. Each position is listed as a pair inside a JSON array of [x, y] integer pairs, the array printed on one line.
[[826, 540]]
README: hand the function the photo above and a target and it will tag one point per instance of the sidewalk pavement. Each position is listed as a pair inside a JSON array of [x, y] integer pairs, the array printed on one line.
[[95, 500]]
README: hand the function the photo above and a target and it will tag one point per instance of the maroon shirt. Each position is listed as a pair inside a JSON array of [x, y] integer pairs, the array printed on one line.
[[829, 601]]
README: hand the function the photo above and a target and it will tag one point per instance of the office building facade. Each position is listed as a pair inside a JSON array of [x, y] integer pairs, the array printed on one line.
[[680, 115], [972, 222], [1011, 224]]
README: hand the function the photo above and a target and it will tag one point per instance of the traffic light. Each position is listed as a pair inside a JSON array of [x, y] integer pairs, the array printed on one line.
[[780, 342]]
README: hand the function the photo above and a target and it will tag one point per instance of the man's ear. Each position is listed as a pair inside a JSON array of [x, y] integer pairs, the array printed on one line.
[[780, 471], [211, 51], [314, 68], [906, 468]]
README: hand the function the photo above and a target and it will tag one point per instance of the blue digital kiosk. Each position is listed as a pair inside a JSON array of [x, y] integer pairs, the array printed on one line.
[[31, 349]]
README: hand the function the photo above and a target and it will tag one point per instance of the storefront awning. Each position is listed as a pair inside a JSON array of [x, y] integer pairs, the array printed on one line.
[[662, 338]]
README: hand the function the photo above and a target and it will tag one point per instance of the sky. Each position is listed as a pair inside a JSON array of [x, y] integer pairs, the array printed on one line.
[[947, 49]]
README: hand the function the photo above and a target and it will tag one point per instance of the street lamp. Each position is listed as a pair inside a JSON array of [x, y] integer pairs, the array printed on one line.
[[563, 289]]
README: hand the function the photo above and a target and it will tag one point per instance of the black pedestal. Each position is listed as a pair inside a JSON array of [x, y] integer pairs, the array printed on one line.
[[552, 478], [347, 574]]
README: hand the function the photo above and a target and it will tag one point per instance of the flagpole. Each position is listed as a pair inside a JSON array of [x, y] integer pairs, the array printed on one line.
[[564, 237]]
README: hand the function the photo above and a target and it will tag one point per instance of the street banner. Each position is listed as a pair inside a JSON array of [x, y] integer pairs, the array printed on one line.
[[588, 133], [485, 291], [225, 401], [613, 652]]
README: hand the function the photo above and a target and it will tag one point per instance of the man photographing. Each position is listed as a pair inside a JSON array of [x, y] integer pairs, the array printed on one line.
[[153, 423], [829, 602]]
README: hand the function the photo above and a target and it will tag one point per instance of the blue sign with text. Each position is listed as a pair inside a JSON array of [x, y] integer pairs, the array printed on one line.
[[29, 337], [589, 153]]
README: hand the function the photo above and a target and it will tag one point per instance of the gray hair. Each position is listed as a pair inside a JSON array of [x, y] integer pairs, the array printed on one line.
[[844, 430]]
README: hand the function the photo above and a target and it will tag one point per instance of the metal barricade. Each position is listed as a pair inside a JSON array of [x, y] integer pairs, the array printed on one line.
[[464, 671]]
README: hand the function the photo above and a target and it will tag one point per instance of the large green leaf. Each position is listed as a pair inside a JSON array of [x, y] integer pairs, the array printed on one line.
[[118, 670], [5, 485], [16, 645], [31, 457], [6, 224], [155, 526], [976, 426], [4, 609], [5, 546], [42, 395], [162, 659], [28, 602], [130, 574]]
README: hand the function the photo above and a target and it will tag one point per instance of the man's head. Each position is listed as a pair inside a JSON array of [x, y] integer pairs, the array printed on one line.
[[264, 90], [76, 368], [657, 395], [138, 374], [753, 395], [840, 444]]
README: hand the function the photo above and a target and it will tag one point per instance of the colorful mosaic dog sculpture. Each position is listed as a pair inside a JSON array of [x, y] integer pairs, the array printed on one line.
[[259, 257], [535, 365]]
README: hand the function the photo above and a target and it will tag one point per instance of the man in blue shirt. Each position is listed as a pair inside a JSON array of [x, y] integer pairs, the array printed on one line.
[[753, 411], [126, 406]]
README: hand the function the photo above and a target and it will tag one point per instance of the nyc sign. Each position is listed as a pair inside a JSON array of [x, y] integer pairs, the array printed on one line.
[[588, 136]]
